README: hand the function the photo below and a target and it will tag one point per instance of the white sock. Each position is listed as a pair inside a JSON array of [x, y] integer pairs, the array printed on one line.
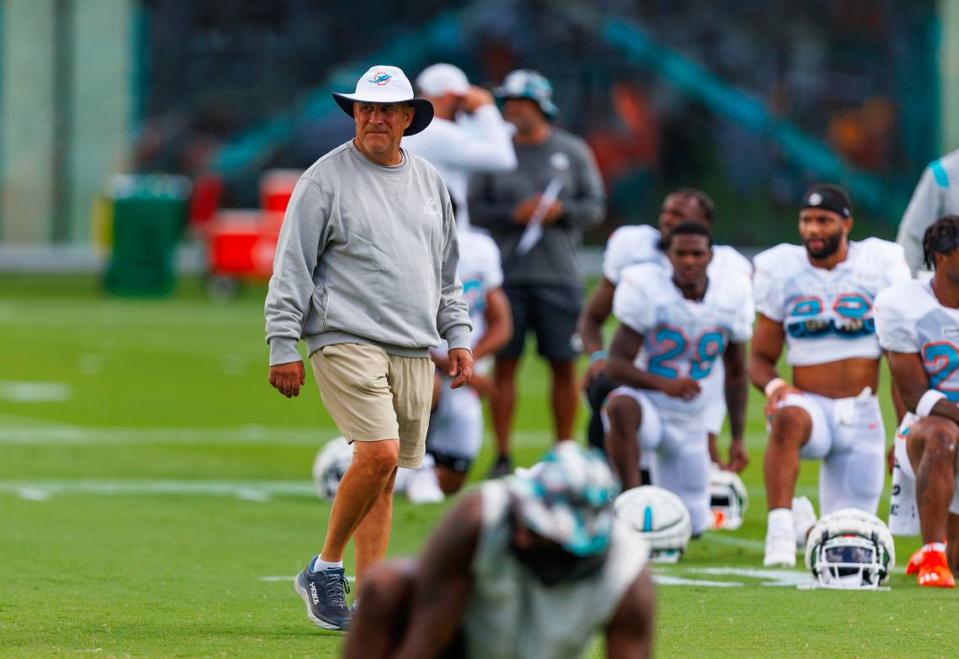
[[319, 565], [780, 519]]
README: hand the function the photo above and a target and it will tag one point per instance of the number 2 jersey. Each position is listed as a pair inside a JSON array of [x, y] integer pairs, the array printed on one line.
[[683, 338], [910, 319], [827, 315]]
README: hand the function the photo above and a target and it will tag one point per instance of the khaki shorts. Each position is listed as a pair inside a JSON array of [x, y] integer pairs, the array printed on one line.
[[373, 395]]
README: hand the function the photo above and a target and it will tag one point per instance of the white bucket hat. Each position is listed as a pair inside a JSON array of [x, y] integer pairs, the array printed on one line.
[[441, 78], [387, 84]]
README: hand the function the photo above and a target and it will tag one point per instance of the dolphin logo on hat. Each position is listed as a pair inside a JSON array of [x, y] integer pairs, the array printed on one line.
[[387, 84], [380, 78]]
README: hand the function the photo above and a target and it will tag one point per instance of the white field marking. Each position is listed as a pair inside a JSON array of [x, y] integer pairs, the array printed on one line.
[[34, 392], [669, 580], [732, 541], [257, 491], [775, 578]]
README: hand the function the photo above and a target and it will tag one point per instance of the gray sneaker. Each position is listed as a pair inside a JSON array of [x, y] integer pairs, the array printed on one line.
[[325, 595]]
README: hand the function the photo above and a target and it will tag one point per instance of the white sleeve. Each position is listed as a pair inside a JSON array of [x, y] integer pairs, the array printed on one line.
[[924, 209], [633, 306], [492, 265], [485, 146], [895, 331], [769, 295], [616, 256]]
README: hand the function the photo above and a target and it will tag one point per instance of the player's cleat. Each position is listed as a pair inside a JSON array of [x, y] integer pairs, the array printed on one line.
[[324, 593], [912, 567], [780, 548], [502, 467], [934, 570], [804, 518]]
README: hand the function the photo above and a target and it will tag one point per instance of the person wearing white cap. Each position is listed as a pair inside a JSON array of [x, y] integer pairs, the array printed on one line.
[[467, 134], [365, 273], [529, 566]]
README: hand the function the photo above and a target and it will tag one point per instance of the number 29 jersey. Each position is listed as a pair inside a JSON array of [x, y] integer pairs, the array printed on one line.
[[827, 315], [910, 319], [683, 338]]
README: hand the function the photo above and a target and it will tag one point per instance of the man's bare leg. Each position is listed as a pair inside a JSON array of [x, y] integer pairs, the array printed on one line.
[[564, 397], [373, 466], [622, 447], [790, 428], [372, 537], [503, 402], [932, 451]]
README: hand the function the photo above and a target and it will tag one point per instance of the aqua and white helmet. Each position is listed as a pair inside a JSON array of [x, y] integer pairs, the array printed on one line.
[[329, 466], [659, 517], [728, 499], [850, 549]]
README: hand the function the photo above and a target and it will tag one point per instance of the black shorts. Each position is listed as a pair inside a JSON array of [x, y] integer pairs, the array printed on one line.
[[452, 462], [549, 310]]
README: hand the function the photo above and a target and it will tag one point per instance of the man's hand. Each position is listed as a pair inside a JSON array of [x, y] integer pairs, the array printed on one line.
[[474, 98], [738, 458], [461, 367], [523, 211], [773, 401], [594, 371], [288, 378], [554, 212], [441, 361], [685, 388], [891, 458]]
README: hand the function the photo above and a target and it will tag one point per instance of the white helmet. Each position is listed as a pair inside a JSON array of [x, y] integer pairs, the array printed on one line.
[[850, 549], [329, 466], [728, 499], [660, 517]]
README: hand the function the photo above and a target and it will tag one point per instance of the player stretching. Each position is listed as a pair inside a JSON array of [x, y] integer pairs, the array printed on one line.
[[631, 245], [918, 324], [818, 299], [679, 321]]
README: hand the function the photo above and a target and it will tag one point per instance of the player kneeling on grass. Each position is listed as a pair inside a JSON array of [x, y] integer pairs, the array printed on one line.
[[532, 565], [678, 321], [456, 423], [918, 325], [817, 299]]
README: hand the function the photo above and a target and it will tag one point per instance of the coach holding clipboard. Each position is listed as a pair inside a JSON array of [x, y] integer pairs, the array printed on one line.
[[365, 272]]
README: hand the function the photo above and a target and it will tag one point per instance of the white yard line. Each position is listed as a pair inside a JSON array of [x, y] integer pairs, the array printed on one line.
[[256, 491]]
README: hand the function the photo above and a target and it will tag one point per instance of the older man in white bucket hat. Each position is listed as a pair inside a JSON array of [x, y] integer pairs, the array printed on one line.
[[365, 273]]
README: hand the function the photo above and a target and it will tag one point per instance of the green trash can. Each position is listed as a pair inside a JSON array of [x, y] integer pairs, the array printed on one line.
[[149, 213]]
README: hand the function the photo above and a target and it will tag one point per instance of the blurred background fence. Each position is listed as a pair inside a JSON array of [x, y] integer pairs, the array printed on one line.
[[751, 101]]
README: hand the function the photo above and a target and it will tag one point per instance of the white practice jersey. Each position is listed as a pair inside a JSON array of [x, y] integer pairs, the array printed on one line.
[[910, 319], [683, 338], [827, 315], [635, 244], [481, 271]]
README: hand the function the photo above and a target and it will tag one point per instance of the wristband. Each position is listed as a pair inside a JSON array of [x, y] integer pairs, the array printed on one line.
[[597, 355], [928, 401], [773, 386]]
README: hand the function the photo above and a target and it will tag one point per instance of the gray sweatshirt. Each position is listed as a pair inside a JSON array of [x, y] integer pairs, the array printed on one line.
[[494, 196], [936, 195], [366, 254]]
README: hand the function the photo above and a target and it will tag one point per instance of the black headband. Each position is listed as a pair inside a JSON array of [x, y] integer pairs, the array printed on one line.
[[829, 199]]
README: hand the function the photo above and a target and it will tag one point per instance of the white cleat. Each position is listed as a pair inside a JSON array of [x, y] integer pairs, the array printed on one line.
[[780, 549], [804, 518], [424, 487]]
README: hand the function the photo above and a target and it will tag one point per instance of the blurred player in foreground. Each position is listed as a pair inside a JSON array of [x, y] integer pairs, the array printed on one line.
[[530, 566], [467, 134], [631, 245], [918, 325], [678, 321], [544, 284], [936, 195], [817, 298]]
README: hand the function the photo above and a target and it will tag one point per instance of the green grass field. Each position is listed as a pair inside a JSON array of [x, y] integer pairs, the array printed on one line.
[[155, 499]]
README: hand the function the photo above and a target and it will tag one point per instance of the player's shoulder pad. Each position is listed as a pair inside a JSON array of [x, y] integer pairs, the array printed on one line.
[[645, 276], [909, 294], [481, 243], [730, 258], [784, 258], [637, 238], [878, 251]]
